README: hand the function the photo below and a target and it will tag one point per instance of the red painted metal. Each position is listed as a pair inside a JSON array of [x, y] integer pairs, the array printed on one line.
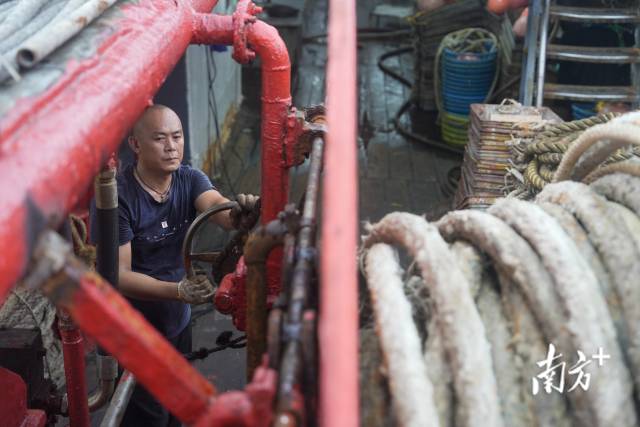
[[501, 6], [276, 100], [13, 403], [120, 329], [130, 65], [338, 322], [245, 13], [40, 190], [78, 122], [251, 408], [74, 370], [231, 296], [223, 300]]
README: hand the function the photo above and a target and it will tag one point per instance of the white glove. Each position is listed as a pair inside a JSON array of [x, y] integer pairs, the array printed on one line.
[[245, 213], [195, 290]]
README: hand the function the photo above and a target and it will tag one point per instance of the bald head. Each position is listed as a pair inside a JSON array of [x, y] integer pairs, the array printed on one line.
[[152, 116], [157, 139]]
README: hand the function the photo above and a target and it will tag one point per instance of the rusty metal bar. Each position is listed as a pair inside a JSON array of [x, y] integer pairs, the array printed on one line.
[[256, 251], [291, 365]]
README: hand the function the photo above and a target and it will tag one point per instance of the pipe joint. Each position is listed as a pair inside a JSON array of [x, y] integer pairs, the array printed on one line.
[[107, 374], [244, 15], [106, 188]]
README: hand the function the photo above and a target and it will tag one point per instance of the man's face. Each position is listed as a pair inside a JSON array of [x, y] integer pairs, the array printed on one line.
[[158, 140]]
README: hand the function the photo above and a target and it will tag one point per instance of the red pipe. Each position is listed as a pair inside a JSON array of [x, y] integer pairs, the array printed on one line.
[[104, 95], [74, 370], [338, 322], [104, 315], [276, 100]]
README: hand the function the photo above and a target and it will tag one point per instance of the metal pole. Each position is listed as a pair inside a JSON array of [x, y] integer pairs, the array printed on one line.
[[291, 365], [542, 53], [256, 251], [120, 400], [338, 322], [106, 192], [529, 57]]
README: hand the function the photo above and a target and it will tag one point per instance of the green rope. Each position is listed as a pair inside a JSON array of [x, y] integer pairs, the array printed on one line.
[[561, 129]]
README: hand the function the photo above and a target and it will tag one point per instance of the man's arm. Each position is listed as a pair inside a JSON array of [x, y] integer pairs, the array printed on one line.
[[211, 198], [141, 286]]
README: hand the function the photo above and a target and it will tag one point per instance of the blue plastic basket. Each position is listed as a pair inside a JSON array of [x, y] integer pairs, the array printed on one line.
[[581, 110], [466, 78]]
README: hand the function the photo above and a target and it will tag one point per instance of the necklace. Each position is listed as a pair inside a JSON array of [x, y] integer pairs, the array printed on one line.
[[164, 195]]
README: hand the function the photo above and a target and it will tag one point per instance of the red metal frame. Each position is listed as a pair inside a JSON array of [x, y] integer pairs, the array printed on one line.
[[13, 403], [338, 325]]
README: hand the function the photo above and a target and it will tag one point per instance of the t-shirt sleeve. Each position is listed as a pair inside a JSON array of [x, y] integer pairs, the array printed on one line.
[[125, 229], [199, 183]]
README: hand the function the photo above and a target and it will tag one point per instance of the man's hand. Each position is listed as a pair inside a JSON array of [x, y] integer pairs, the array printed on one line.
[[246, 213], [195, 290]]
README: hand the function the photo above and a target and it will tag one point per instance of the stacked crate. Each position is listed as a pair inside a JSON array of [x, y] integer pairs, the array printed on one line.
[[487, 156]]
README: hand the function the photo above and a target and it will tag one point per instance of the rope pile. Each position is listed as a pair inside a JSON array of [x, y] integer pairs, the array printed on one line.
[[536, 160], [459, 342]]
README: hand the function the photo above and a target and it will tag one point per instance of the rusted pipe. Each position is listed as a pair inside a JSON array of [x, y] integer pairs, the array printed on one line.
[[107, 375], [256, 251], [305, 256], [120, 400], [298, 292], [74, 370], [338, 321], [107, 317]]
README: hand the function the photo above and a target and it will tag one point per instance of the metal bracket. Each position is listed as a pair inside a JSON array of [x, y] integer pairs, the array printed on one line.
[[244, 14], [302, 128]]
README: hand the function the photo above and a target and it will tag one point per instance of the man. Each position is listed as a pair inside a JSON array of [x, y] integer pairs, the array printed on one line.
[[158, 198]]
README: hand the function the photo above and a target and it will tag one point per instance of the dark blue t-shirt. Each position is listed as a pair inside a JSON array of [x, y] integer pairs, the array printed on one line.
[[156, 232]]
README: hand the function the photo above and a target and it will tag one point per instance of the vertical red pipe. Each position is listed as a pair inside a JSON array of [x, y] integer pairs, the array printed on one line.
[[276, 100], [74, 371], [338, 326]]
